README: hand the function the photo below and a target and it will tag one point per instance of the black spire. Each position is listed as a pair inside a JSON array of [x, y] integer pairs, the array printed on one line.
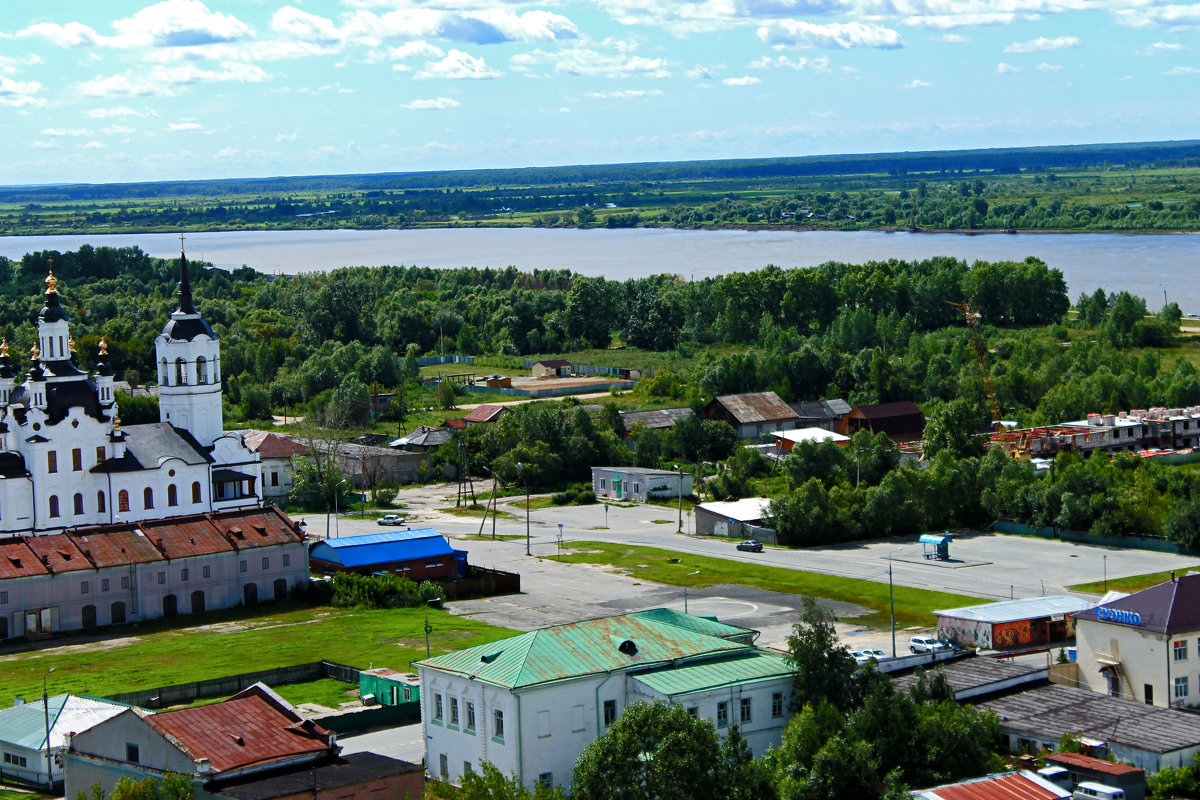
[[185, 283]]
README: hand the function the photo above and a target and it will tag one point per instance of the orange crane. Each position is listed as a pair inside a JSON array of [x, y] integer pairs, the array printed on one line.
[[980, 348]]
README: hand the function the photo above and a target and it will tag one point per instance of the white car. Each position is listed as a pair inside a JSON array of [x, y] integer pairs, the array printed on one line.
[[860, 657], [873, 653], [926, 644], [390, 519]]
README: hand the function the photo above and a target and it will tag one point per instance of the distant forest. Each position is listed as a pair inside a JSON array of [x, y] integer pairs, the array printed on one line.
[[1142, 186]]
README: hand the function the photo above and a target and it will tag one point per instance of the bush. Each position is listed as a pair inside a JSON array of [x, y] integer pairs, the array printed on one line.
[[350, 589], [577, 495]]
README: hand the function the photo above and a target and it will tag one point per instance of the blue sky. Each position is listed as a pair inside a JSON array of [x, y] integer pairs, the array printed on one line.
[[119, 91]]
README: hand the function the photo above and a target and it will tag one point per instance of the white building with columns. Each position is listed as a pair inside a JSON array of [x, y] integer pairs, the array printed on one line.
[[65, 459]]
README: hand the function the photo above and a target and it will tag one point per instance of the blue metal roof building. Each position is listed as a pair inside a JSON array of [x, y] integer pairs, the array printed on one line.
[[415, 553]]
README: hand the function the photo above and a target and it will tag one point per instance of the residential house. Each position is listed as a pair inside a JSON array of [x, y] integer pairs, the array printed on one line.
[[826, 414], [902, 421], [367, 466], [421, 554], [530, 704], [1144, 646], [485, 413], [132, 571], [639, 483], [28, 756], [557, 368], [424, 439], [659, 419], [752, 415], [1022, 622], [252, 746], [276, 453]]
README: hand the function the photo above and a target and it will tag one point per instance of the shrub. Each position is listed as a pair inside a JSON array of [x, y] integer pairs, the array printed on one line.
[[350, 589]]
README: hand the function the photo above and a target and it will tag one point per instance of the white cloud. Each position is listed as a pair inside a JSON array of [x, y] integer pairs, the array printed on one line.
[[287, 137], [1042, 44], [44, 145], [67, 132], [297, 24], [844, 35], [1158, 48], [1183, 71], [1145, 16], [942, 22], [170, 23], [916, 83], [119, 111], [1045, 67], [586, 61], [626, 93], [818, 64], [9, 64], [184, 126], [93, 145], [1006, 69], [414, 49], [435, 103], [116, 130], [20, 94], [73, 34], [163, 81], [955, 38], [458, 65], [745, 80], [825, 114]]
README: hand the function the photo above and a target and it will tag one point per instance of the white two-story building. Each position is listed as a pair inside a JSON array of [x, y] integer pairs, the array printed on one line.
[[531, 704]]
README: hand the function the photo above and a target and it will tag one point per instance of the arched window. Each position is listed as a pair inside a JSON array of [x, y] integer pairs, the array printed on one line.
[[78, 504], [166, 374], [180, 372], [148, 498], [122, 500], [196, 492], [100, 502], [54, 505], [201, 370], [172, 495]]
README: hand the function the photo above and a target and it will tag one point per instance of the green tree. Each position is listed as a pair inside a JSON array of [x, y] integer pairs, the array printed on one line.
[[954, 427], [137, 410], [824, 669], [654, 751], [490, 784]]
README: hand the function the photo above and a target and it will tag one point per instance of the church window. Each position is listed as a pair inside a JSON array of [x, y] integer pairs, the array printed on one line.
[[100, 454], [54, 505], [122, 500], [172, 495], [148, 498], [180, 372], [77, 459], [51, 461], [196, 492], [78, 504], [100, 502], [166, 375], [201, 370]]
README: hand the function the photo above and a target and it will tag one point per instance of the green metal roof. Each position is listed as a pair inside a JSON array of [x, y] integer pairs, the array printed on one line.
[[705, 625], [589, 647], [25, 725], [757, 665]]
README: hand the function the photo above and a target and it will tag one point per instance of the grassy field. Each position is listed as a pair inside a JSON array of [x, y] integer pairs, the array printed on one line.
[[914, 607], [13, 794], [324, 692], [232, 642], [1134, 583]]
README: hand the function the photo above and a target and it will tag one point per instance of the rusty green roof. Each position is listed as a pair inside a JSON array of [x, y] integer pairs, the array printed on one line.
[[589, 647], [740, 668]]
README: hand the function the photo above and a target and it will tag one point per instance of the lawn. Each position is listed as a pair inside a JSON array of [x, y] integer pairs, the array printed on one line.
[[914, 607], [1133, 583], [324, 692], [233, 642], [11, 794]]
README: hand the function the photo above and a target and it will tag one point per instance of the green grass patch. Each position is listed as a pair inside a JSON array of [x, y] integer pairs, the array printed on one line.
[[914, 607], [324, 692], [663, 521], [500, 537], [232, 642], [1133, 583], [478, 512], [11, 794]]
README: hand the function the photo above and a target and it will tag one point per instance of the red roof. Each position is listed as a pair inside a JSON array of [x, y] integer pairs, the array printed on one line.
[[59, 553], [1010, 786], [455, 424], [1092, 764], [180, 537], [272, 445], [115, 545], [256, 527], [18, 561], [555, 363], [488, 412], [250, 728]]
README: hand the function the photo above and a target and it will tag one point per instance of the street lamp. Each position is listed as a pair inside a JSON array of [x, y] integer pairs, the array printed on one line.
[[336, 528], [681, 498], [685, 588], [46, 708], [525, 480]]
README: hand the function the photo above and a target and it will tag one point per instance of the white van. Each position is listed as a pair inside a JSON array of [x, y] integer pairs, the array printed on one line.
[[1087, 790]]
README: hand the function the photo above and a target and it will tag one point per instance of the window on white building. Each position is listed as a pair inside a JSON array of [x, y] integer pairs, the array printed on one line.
[[1180, 649], [693, 711], [470, 709], [546, 779], [207, 572], [84, 587], [104, 584], [183, 574], [287, 559], [15, 760], [1181, 688], [3, 597], [162, 577], [747, 710], [577, 723], [610, 712], [543, 728], [125, 582], [453, 710], [723, 714], [244, 566], [437, 707], [498, 724], [468, 768], [444, 766], [776, 705], [266, 562]]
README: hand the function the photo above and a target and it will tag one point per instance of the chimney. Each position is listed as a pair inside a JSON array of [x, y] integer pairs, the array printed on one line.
[[202, 767]]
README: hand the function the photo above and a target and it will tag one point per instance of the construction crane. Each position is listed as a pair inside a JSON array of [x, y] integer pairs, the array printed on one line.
[[980, 348]]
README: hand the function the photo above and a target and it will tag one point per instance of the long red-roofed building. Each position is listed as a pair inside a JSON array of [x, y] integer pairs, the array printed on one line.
[[131, 571], [1023, 785]]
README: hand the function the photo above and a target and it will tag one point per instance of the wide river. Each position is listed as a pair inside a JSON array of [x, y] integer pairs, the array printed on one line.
[[1149, 265]]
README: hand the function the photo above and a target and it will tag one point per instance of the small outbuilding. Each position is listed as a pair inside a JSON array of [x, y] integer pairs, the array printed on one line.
[[485, 413], [901, 421], [753, 414], [786, 440], [639, 484], [420, 554], [1013, 623], [1081, 768], [740, 519], [390, 687], [557, 368]]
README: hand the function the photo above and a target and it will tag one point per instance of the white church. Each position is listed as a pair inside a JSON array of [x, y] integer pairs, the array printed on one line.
[[66, 460]]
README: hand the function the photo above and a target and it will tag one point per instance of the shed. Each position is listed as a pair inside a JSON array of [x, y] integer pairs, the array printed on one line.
[[23, 734], [739, 519], [753, 414], [418, 555], [390, 687], [1132, 780], [902, 421], [556, 367], [1013, 623], [786, 440], [487, 412], [1023, 785]]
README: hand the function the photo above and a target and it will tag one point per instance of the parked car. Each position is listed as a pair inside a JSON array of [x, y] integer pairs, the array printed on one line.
[[390, 519], [860, 657], [926, 644], [750, 546], [876, 654]]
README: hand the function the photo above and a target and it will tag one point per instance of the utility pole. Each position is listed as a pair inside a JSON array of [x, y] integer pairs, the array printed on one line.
[[892, 604], [525, 480], [46, 708], [428, 630], [680, 498]]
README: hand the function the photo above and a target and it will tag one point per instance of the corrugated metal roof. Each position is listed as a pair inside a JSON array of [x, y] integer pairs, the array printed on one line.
[[487, 412], [810, 435], [1022, 785], [1167, 607], [659, 418], [25, 725], [1020, 609], [751, 667], [747, 509], [581, 648], [59, 553], [756, 407], [1092, 763], [709, 626], [382, 548]]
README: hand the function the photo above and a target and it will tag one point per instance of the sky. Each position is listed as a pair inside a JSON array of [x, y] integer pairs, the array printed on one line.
[[113, 91]]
